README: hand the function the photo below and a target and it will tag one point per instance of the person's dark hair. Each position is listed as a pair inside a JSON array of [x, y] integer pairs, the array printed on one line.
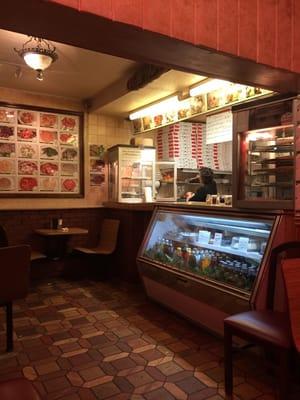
[[207, 175]]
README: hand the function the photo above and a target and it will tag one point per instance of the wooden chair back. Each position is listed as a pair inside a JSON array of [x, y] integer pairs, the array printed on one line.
[[108, 236], [291, 276], [15, 268], [3, 237], [282, 251]]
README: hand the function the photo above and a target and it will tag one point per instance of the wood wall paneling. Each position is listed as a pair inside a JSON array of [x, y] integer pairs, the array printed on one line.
[[296, 37], [267, 16], [284, 34], [183, 21], [102, 8], [128, 11], [247, 27], [228, 26], [206, 23], [157, 16], [266, 31]]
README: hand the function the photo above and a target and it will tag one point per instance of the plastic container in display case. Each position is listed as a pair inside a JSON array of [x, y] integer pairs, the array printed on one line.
[[131, 172], [214, 260]]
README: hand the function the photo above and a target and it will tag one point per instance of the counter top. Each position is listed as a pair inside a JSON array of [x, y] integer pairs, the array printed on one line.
[[130, 206], [188, 205]]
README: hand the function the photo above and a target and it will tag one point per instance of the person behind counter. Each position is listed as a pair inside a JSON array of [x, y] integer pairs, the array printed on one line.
[[208, 186]]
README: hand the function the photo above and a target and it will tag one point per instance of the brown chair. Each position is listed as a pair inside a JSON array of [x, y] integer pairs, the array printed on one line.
[[3, 237], [267, 328], [14, 283], [18, 389], [108, 239], [35, 255]]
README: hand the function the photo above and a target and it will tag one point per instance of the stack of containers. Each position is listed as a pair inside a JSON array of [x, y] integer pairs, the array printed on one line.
[[207, 154], [185, 143], [178, 142]]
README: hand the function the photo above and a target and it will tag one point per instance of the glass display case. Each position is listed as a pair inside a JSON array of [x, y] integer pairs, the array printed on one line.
[[165, 181], [131, 173], [224, 251], [266, 155], [210, 261]]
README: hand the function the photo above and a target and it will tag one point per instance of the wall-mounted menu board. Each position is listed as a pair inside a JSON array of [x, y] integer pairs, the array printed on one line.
[[41, 152]]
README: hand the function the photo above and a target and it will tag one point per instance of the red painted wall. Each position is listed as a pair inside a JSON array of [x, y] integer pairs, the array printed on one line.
[[265, 31]]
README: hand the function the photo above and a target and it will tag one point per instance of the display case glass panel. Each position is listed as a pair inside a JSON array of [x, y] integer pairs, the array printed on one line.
[[265, 166], [269, 173], [223, 250], [131, 173], [165, 181]]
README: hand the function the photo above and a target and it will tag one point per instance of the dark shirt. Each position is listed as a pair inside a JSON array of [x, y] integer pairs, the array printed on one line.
[[203, 191]]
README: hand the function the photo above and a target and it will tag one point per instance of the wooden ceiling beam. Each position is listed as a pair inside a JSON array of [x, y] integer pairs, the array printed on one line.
[[132, 80]]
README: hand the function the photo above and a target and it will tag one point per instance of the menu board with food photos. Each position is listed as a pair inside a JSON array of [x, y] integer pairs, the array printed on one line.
[[197, 105], [40, 152]]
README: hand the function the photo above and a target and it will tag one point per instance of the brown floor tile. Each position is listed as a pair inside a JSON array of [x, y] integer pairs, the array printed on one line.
[[152, 354], [86, 394], [203, 394], [159, 394], [169, 368], [106, 390], [139, 379], [124, 384], [123, 363], [190, 385], [97, 340], [91, 373], [46, 368], [57, 384]]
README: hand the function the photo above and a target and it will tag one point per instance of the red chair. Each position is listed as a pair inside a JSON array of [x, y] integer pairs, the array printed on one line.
[[14, 283], [268, 328], [18, 389]]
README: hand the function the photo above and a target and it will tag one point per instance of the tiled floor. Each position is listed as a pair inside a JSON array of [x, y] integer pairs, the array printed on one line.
[[86, 340]]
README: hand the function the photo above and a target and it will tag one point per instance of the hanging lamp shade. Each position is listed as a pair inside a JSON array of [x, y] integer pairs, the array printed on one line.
[[38, 54]]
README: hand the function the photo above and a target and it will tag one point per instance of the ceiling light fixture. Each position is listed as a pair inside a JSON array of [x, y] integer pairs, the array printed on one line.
[[208, 86], [38, 54], [159, 107]]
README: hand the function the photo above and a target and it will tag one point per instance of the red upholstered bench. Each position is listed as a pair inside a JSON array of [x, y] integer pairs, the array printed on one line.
[[18, 389]]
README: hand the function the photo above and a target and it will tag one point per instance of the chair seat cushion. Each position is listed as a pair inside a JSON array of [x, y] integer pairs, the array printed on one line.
[[95, 250], [18, 389], [269, 326]]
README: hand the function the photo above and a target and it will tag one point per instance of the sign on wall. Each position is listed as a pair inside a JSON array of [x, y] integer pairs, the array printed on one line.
[[40, 152], [219, 128]]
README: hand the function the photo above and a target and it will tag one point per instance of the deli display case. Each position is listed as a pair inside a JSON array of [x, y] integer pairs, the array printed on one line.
[[209, 263], [265, 147], [131, 173]]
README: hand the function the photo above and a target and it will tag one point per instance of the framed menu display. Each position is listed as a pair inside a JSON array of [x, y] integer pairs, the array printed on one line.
[[41, 152]]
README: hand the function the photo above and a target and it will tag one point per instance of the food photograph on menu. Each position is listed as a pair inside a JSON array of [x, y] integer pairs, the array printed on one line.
[[40, 152]]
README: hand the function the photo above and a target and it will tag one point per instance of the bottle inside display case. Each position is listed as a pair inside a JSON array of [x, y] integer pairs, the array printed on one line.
[[224, 251]]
